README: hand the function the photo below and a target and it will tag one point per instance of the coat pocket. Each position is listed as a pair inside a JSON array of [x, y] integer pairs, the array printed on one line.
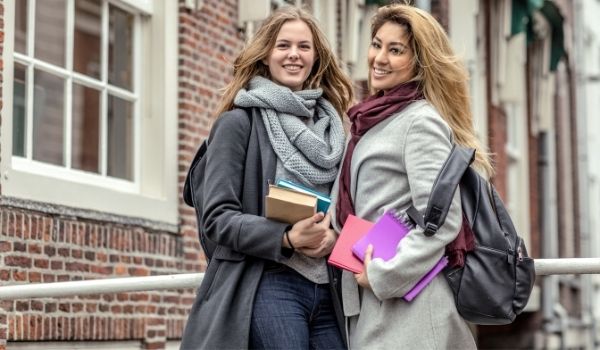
[[214, 273], [224, 253]]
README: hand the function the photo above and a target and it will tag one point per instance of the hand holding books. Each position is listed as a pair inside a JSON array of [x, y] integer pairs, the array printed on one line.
[[362, 278], [307, 233], [297, 205], [384, 236], [312, 236], [326, 245]]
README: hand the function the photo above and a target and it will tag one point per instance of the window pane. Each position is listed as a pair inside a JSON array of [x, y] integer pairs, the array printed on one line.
[[19, 111], [21, 26], [50, 31], [48, 121], [88, 26], [120, 48], [85, 129], [120, 138]]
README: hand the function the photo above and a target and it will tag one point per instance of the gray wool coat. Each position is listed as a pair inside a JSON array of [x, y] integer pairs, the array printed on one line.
[[239, 166], [394, 165]]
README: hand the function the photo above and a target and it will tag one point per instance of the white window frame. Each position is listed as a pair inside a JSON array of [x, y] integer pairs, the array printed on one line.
[[152, 195], [518, 187], [466, 22], [512, 90], [71, 77]]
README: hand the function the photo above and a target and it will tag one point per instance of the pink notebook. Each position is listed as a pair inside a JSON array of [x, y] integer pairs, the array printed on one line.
[[341, 256], [385, 236]]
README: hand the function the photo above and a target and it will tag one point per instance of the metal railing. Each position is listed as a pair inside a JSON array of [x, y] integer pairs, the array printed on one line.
[[192, 280]]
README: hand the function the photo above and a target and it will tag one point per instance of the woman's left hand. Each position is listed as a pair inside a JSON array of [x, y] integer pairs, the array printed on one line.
[[326, 245], [324, 248], [361, 278]]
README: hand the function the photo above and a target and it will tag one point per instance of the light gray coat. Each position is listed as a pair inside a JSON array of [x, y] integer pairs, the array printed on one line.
[[393, 166]]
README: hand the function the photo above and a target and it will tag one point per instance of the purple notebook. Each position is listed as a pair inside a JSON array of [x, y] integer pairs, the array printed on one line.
[[385, 236]]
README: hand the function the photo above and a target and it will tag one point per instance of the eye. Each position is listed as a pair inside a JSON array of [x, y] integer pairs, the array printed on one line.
[[305, 47], [282, 46], [375, 45], [397, 51]]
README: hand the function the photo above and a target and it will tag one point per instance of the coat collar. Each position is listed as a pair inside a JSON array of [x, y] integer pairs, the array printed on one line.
[[268, 159]]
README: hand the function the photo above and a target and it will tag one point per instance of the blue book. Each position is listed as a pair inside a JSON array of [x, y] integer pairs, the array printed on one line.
[[323, 201]]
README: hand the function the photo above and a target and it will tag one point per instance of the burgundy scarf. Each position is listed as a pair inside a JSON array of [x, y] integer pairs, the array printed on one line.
[[363, 117]]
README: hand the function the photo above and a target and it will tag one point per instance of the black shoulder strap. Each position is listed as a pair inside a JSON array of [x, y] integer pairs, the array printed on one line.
[[445, 185], [187, 192], [187, 189]]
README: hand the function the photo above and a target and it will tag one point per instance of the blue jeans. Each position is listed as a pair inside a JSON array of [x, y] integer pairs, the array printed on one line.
[[291, 312]]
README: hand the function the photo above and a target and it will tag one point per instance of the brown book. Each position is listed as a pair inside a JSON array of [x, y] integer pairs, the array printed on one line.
[[287, 205]]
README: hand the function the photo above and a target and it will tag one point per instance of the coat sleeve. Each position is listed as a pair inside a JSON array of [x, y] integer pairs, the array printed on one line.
[[427, 145], [223, 219]]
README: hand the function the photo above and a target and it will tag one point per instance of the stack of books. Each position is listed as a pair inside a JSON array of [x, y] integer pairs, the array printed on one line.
[[289, 202], [385, 235]]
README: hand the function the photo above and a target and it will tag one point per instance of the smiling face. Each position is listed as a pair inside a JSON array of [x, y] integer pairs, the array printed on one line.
[[293, 56], [390, 57]]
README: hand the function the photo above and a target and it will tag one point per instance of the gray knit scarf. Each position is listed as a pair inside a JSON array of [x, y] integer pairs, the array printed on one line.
[[311, 153]]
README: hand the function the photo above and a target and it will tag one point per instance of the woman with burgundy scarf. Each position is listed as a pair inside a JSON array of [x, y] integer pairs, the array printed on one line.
[[400, 137]]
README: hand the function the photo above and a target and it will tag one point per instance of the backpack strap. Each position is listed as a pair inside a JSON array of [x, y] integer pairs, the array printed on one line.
[[443, 190], [187, 189]]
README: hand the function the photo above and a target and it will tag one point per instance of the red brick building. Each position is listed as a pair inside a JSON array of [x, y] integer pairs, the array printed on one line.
[[105, 101], [140, 77]]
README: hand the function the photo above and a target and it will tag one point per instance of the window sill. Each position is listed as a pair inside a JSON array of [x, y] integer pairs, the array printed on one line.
[[55, 209], [62, 196]]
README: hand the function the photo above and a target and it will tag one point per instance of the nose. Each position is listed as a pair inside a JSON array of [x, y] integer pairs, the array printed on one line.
[[381, 57], [293, 54]]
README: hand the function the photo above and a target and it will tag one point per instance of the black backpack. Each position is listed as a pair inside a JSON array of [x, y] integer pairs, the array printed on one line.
[[193, 182], [494, 284]]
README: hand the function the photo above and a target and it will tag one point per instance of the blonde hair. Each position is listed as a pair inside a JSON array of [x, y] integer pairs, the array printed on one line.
[[441, 76], [326, 73]]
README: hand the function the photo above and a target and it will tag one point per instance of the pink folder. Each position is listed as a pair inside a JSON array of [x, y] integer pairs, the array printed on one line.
[[385, 236], [341, 256]]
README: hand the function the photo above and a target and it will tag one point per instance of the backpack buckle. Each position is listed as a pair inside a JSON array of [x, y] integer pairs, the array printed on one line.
[[430, 229]]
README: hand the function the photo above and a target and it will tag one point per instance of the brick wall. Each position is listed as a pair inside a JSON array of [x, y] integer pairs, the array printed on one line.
[[440, 10], [49, 248], [41, 247], [208, 43], [498, 135]]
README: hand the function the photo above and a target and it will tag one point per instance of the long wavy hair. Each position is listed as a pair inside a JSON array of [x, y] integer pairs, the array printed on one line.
[[441, 75], [325, 74]]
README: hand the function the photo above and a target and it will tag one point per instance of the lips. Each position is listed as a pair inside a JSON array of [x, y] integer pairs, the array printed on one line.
[[378, 72], [292, 68]]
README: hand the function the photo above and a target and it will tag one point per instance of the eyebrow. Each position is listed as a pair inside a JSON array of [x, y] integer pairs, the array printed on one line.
[[288, 41], [393, 42]]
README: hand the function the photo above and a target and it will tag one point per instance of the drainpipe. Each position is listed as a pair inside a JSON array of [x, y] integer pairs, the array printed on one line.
[[554, 315]]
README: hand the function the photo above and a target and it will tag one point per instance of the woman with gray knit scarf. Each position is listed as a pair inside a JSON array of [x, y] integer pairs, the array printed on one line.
[[267, 284]]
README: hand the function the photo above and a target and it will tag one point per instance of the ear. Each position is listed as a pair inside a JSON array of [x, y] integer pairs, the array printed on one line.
[[265, 62]]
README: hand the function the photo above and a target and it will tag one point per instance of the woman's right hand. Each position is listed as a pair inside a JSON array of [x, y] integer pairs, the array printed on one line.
[[308, 233]]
